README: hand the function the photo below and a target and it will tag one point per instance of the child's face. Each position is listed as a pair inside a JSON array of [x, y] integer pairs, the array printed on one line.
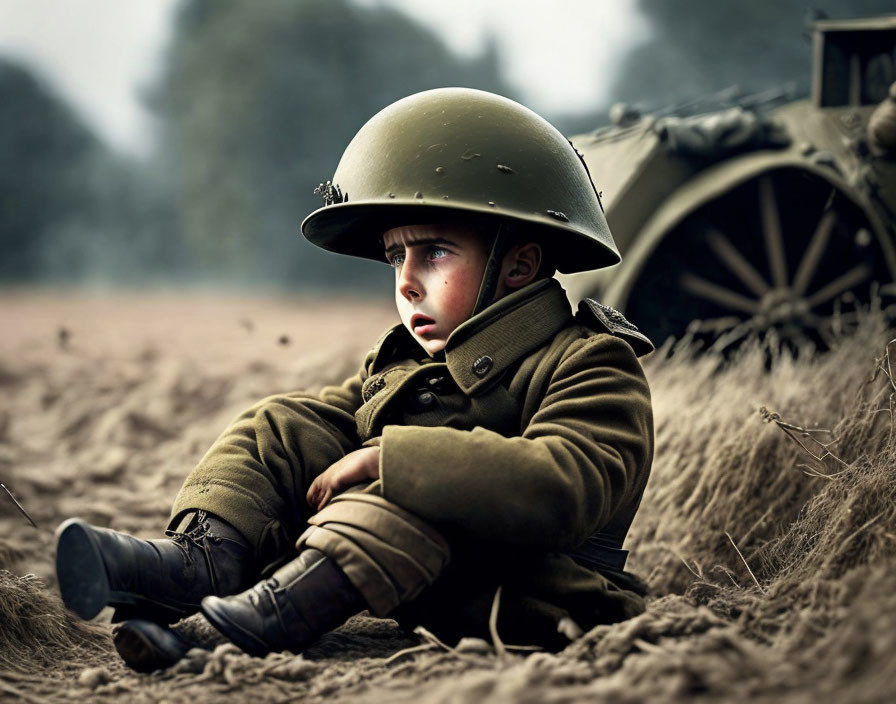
[[438, 271]]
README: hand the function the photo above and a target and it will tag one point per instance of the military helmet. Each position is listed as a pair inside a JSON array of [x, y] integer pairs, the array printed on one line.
[[448, 154]]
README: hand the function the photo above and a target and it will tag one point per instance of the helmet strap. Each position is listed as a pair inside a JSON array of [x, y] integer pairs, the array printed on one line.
[[492, 274]]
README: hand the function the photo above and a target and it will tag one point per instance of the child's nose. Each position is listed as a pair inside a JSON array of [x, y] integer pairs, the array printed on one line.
[[409, 284]]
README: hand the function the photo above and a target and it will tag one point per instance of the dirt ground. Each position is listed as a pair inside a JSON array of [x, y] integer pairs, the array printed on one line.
[[767, 533]]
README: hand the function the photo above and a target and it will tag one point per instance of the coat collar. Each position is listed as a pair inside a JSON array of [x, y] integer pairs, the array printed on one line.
[[482, 348]]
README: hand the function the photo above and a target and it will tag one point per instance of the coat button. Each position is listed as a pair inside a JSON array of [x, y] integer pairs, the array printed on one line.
[[426, 399], [482, 366]]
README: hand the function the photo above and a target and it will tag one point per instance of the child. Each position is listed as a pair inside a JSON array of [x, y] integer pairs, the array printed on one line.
[[493, 448]]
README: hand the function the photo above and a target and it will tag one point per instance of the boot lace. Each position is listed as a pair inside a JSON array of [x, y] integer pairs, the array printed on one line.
[[198, 534]]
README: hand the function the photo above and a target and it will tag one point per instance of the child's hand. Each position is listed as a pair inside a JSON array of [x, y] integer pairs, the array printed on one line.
[[354, 468]]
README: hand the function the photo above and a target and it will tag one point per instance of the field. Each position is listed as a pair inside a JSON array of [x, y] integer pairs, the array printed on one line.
[[767, 533]]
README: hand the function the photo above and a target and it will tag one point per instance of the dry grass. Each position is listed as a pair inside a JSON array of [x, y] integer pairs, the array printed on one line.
[[767, 536]]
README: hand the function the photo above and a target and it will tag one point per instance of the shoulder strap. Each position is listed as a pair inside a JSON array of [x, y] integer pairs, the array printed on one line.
[[602, 318]]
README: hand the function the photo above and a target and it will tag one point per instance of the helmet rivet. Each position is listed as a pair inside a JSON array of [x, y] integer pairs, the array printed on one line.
[[491, 203], [482, 366], [557, 215], [505, 169], [391, 195], [418, 195], [445, 197], [440, 170]]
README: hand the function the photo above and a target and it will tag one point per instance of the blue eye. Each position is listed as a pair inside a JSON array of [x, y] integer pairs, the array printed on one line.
[[397, 260], [438, 252]]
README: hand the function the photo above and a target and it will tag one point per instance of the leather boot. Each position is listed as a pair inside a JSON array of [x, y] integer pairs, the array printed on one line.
[[160, 580], [303, 600], [146, 646]]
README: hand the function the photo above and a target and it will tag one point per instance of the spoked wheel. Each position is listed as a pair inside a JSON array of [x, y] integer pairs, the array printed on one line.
[[785, 257]]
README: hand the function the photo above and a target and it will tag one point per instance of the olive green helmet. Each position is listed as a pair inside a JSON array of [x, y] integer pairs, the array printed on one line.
[[451, 153]]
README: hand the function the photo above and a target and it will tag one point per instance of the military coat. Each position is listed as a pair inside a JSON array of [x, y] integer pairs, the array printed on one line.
[[532, 432]]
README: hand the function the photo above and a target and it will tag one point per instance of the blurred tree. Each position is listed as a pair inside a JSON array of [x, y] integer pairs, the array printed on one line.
[[71, 210], [48, 158], [697, 48], [259, 100]]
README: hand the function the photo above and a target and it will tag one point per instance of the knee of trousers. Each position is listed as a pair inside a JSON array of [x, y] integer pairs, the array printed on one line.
[[387, 553]]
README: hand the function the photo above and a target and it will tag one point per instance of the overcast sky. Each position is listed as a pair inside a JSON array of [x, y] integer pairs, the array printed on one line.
[[98, 52]]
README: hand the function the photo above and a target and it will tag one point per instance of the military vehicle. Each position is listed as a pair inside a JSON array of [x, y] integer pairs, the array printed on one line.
[[773, 214]]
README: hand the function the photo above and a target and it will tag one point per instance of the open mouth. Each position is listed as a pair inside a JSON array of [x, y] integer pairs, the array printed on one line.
[[421, 324]]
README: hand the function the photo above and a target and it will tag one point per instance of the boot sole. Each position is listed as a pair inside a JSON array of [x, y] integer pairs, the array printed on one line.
[[84, 581], [245, 641], [80, 569], [146, 646]]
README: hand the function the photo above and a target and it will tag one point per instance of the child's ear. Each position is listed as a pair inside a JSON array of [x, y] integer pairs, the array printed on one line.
[[521, 265]]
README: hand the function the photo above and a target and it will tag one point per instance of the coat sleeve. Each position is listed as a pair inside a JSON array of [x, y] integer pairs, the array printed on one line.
[[256, 474], [585, 454]]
